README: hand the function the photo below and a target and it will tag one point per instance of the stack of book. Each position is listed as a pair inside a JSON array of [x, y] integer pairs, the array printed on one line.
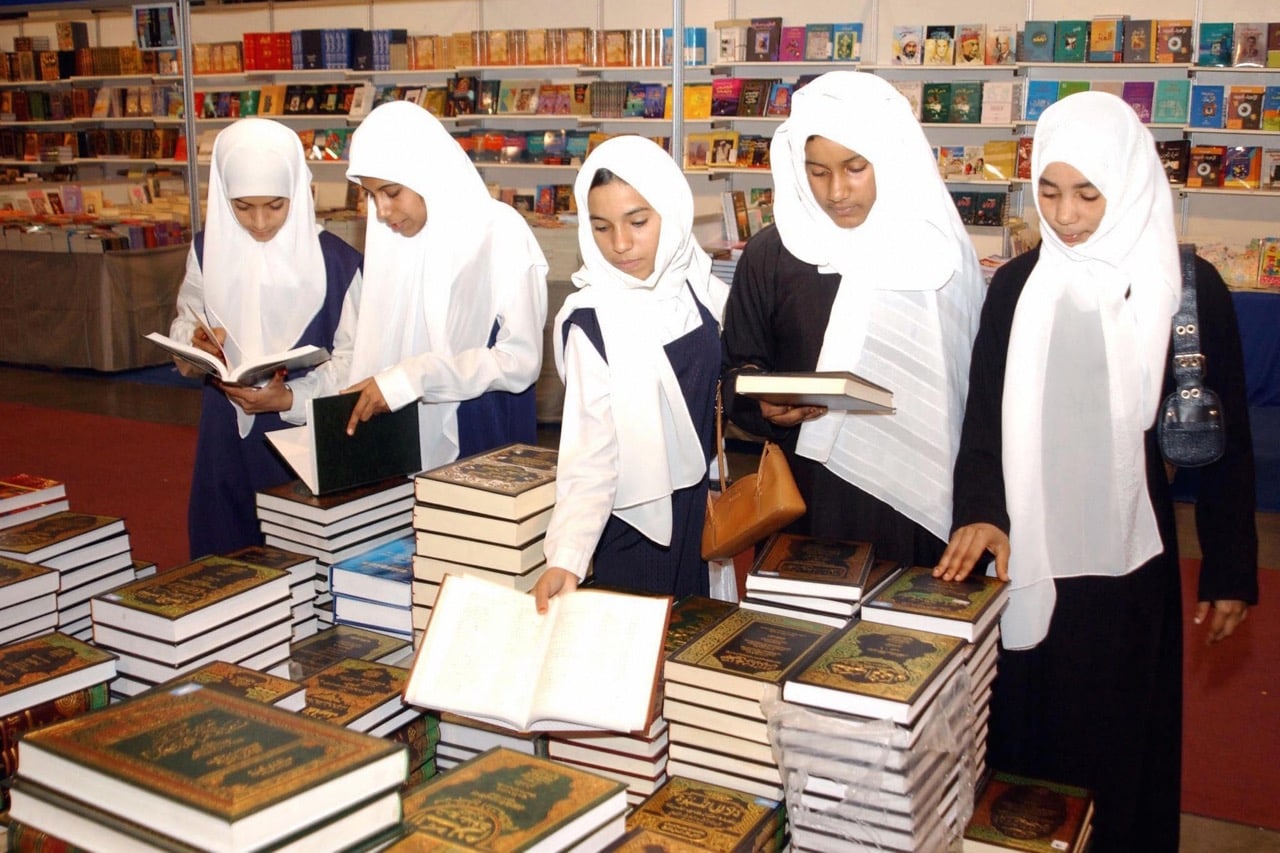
[[809, 577], [374, 589], [485, 516], [28, 600], [44, 680], [714, 689], [302, 576], [334, 526], [26, 497], [463, 738], [89, 552], [887, 753], [968, 609], [685, 814], [508, 800], [246, 683], [339, 642], [1020, 813], [195, 768], [214, 608], [637, 760], [364, 696]]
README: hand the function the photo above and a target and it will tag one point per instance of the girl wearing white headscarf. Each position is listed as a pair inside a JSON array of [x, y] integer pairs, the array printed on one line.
[[638, 348], [455, 295], [261, 278], [1060, 477], [868, 269]]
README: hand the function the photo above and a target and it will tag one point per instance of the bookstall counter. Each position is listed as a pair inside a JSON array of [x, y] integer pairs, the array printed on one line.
[[87, 310]]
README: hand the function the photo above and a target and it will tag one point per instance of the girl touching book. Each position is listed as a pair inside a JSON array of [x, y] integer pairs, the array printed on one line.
[[261, 279], [638, 347]]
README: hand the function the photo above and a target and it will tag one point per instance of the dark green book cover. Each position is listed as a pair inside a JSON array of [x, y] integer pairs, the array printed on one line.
[[325, 648], [383, 446], [690, 616]]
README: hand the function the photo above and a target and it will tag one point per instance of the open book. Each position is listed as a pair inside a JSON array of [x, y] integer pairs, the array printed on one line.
[[248, 373], [327, 459], [592, 661], [838, 390]]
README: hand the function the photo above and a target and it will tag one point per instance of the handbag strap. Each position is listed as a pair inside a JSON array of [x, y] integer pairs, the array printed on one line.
[[1188, 360], [721, 462]]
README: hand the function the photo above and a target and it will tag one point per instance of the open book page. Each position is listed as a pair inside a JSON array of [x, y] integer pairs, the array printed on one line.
[[250, 372]]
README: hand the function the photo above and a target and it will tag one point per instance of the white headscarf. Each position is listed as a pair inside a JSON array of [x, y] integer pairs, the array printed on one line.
[[1085, 366], [264, 294], [407, 305], [910, 294], [649, 410]]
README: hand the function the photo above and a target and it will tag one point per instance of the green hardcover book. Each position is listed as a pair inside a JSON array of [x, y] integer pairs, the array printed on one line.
[[185, 601], [935, 104], [43, 668], [810, 565], [214, 771], [325, 648], [246, 683], [877, 671], [54, 535], [690, 616], [748, 653], [506, 800], [966, 102], [1020, 813], [1071, 43], [916, 599], [357, 694], [707, 816], [513, 481]]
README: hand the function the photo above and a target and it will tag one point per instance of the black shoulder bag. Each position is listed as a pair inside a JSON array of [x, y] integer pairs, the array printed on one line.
[[1190, 430]]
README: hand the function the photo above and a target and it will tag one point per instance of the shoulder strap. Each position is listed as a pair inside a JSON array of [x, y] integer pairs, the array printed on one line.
[[1188, 360]]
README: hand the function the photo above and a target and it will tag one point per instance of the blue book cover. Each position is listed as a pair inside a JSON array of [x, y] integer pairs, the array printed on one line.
[[392, 562], [1040, 95], [1215, 43], [1208, 104], [1072, 43], [1271, 108], [1037, 41]]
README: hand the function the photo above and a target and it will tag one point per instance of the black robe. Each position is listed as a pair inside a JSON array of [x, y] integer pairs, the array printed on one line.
[[1099, 702]]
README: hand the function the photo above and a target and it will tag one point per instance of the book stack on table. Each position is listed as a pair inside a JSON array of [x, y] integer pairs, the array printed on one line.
[[687, 815], [374, 589], [486, 516], [639, 760], [968, 609], [214, 608], [26, 497], [463, 738], [334, 526], [809, 577], [714, 689], [339, 642], [90, 553], [28, 600], [44, 680], [193, 768], [246, 683], [302, 579], [880, 754], [364, 696]]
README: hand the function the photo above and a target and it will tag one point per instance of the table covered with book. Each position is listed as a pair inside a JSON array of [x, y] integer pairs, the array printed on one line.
[[61, 309]]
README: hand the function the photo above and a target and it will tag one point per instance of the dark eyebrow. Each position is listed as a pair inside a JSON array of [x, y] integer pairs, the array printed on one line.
[[1080, 186]]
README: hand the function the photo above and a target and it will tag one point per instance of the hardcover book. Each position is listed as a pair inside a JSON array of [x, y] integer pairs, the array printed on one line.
[[54, 535], [877, 671], [247, 373], [1020, 813], [513, 482], [356, 694], [506, 800], [470, 525], [791, 48], [779, 99], [340, 642], [23, 490], [935, 107], [14, 726], [592, 661], [294, 498], [1175, 155], [966, 102], [209, 769], [43, 668], [22, 581], [837, 389], [246, 683], [382, 574], [692, 615], [810, 565], [916, 599], [708, 817]]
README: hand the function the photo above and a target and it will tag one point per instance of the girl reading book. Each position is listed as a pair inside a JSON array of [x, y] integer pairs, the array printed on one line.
[[638, 347], [261, 278]]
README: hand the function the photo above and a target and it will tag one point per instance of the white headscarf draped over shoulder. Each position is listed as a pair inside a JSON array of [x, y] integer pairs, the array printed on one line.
[[264, 294], [1119, 290], [649, 410], [910, 293], [430, 292]]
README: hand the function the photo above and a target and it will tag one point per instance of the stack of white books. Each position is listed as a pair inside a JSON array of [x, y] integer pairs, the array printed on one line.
[[26, 497], [214, 608], [364, 696], [28, 600], [463, 738], [246, 683], [637, 760], [485, 516], [302, 574], [334, 526], [90, 553], [374, 589]]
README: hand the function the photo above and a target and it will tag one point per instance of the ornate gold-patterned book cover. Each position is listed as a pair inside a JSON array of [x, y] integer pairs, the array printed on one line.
[[643, 840], [882, 661], [763, 647], [208, 751], [40, 659], [508, 482], [297, 492], [239, 681], [34, 536], [270, 556], [917, 591], [349, 689], [815, 560], [706, 816], [1036, 815], [692, 615], [503, 800], [15, 725], [13, 572], [194, 586], [325, 648]]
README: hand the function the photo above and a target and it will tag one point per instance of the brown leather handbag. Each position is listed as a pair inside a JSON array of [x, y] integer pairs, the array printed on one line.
[[754, 507]]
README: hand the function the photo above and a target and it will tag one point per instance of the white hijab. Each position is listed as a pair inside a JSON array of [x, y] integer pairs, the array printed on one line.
[[649, 411], [1085, 366], [264, 294], [407, 305], [909, 299]]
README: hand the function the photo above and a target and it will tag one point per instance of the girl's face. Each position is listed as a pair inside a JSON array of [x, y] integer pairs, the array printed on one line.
[[261, 215], [1069, 204], [843, 181], [399, 208], [625, 227]]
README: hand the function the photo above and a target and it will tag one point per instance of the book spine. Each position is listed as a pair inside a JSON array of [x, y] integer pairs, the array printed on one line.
[[14, 726]]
